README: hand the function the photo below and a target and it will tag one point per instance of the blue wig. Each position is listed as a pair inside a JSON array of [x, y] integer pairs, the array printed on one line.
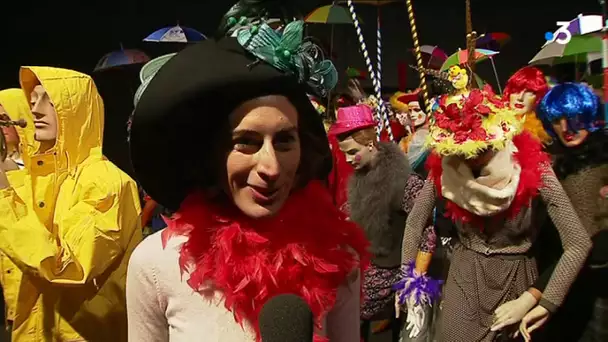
[[573, 101]]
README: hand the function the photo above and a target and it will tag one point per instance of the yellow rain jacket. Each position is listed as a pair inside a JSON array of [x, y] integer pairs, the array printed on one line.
[[15, 104], [70, 223]]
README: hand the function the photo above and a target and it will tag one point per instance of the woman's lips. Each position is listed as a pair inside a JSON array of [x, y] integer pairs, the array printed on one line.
[[519, 106], [263, 195]]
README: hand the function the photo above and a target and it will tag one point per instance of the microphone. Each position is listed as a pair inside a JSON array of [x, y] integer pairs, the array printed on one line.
[[21, 123], [286, 318]]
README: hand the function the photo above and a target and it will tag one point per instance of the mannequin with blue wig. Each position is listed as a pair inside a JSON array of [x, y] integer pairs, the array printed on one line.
[[569, 112], [572, 114]]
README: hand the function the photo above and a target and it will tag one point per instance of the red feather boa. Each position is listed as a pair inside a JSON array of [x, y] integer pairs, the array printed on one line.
[[532, 161], [305, 250]]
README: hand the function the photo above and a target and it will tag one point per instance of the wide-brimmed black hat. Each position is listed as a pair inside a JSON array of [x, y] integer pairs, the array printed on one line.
[[189, 100]]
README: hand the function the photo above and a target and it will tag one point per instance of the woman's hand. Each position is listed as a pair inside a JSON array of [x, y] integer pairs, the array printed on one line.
[[513, 311], [537, 317]]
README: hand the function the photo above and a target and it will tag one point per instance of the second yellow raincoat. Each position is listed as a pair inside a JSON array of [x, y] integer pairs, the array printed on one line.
[[70, 223], [15, 104]]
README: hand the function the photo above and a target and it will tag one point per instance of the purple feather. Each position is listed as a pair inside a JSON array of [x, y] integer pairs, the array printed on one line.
[[422, 288]]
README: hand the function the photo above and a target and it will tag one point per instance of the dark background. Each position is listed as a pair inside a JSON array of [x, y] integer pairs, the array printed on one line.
[[76, 34]]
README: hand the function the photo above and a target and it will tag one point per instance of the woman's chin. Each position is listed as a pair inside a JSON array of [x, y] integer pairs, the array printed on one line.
[[260, 211]]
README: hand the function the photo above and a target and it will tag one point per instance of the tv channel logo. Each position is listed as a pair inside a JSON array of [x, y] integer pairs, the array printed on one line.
[[562, 35]]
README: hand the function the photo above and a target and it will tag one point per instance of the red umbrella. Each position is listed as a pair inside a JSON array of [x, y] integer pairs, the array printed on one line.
[[493, 40]]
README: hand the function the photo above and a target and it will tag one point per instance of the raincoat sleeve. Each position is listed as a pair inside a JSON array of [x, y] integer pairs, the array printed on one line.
[[86, 238]]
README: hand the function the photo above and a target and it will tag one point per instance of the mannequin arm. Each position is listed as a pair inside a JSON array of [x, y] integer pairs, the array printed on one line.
[[575, 241]]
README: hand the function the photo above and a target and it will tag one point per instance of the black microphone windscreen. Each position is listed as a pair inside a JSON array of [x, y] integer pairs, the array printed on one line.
[[286, 318]]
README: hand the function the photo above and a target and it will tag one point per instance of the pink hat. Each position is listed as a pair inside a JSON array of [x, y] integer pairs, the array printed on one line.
[[351, 119]]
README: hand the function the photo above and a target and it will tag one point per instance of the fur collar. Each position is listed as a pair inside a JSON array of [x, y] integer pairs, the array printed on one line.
[[376, 192], [571, 160], [250, 261]]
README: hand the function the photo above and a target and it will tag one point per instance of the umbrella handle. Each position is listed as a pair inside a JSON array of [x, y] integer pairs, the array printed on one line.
[[496, 75]]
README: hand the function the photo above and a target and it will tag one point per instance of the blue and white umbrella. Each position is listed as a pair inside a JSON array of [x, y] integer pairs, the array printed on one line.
[[175, 34], [121, 57]]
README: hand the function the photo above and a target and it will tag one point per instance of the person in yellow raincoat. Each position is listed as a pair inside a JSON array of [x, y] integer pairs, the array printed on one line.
[[13, 105], [71, 222]]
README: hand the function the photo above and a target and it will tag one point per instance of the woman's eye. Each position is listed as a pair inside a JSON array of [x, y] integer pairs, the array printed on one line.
[[246, 145], [284, 143]]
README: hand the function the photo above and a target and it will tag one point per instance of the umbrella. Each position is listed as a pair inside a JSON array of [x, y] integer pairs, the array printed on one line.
[[434, 55], [330, 14], [172, 34], [121, 57], [581, 25], [462, 56], [494, 40], [575, 51], [355, 73], [374, 2]]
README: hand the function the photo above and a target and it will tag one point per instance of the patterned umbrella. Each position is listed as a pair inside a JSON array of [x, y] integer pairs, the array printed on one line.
[[121, 57], [330, 14], [461, 57], [433, 56], [356, 73], [577, 50], [493, 40], [175, 34]]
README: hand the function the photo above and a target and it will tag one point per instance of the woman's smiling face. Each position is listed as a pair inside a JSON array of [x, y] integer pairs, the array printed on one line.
[[264, 156]]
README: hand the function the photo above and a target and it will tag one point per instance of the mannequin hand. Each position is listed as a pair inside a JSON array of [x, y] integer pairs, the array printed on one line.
[[397, 306], [513, 311], [415, 318], [537, 317]]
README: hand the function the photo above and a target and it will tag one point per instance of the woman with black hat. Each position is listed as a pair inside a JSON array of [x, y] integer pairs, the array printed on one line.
[[243, 151]]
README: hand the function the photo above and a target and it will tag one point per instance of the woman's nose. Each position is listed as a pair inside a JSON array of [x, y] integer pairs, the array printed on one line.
[[268, 165]]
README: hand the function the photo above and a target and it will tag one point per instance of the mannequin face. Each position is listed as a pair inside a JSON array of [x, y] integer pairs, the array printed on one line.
[[264, 156], [524, 101], [481, 160], [45, 116], [10, 133], [566, 135], [417, 115], [404, 119], [357, 155]]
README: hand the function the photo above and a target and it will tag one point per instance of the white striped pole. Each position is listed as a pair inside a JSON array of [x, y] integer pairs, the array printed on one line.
[[383, 114], [368, 61]]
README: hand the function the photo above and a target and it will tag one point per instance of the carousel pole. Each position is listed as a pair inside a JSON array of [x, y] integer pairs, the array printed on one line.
[[387, 123], [471, 40], [368, 63], [418, 54]]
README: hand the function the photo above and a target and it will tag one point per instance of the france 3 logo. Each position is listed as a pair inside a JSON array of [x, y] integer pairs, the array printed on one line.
[[583, 24], [562, 35]]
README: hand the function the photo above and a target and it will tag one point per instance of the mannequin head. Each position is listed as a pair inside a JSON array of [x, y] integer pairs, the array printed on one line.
[[525, 89], [359, 147], [10, 133], [45, 117], [481, 160], [569, 112]]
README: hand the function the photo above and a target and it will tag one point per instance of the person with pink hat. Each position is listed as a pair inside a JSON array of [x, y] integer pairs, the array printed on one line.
[[381, 192]]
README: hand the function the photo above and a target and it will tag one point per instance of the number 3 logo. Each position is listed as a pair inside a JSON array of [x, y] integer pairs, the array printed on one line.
[[562, 35]]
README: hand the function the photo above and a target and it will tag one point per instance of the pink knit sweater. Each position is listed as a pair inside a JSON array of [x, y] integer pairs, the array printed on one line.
[[162, 307]]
